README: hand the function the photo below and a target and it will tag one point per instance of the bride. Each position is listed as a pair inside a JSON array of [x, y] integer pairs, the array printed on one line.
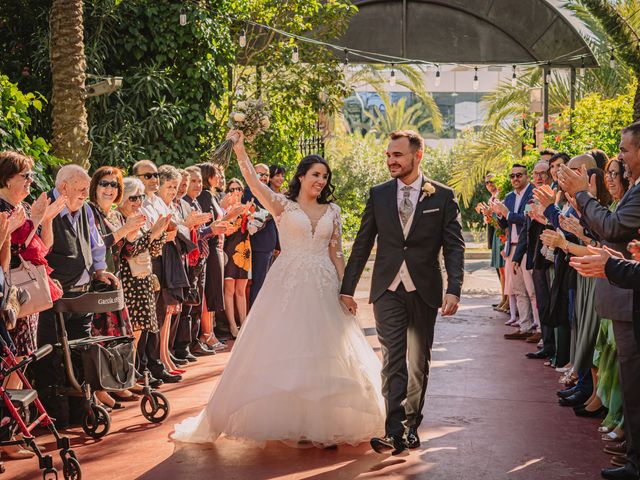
[[301, 369]]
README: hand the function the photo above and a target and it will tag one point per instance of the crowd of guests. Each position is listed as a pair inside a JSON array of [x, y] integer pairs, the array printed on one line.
[[563, 242], [189, 250]]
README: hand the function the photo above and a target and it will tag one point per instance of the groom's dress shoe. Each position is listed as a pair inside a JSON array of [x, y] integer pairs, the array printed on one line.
[[567, 392], [413, 440], [394, 444], [628, 472]]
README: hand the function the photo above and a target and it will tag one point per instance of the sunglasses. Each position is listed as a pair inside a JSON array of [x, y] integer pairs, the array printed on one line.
[[516, 175], [149, 176], [27, 175], [135, 198], [262, 175], [105, 184], [235, 189], [612, 175]]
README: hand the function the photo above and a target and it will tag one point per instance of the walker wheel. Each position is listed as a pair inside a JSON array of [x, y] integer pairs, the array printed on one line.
[[50, 474], [155, 407], [71, 469], [97, 422]]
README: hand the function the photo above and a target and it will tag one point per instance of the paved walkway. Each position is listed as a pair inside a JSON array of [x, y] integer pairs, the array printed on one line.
[[490, 414]]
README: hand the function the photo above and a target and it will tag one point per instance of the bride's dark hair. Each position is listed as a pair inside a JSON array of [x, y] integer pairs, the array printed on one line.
[[326, 196]]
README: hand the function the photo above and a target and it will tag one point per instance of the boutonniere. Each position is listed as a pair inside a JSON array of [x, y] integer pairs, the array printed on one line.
[[427, 190]]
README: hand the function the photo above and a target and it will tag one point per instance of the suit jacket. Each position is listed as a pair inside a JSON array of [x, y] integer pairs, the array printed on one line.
[[515, 217], [435, 226], [626, 274], [266, 239], [615, 229], [529, 242]]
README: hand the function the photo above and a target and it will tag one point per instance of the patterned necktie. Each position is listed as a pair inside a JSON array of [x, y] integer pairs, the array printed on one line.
[[406, 207]]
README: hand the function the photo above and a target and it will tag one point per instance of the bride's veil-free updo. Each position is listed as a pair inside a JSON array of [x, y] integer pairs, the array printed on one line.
[[326, 196]]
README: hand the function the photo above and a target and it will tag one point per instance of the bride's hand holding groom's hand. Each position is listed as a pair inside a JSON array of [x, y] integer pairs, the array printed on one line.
[[449, 305], [349, 303]]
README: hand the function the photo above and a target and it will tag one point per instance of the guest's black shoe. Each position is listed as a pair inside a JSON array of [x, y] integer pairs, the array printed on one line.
[[599, 413], [574, 400], [180, 362], [540, 354], [413, 440], [628, 472], [200, 351], [166, 377], [155, 382], [394, 444], [567, 392]]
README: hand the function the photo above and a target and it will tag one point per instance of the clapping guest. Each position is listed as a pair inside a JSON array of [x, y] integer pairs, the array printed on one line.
[[263, 242], [138, 280], [237, 248]]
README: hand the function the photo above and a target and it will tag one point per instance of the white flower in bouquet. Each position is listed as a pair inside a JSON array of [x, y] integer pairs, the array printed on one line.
[[252, 118]]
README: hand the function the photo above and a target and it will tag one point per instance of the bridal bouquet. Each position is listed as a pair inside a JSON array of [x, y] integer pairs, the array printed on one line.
[[250, 116]]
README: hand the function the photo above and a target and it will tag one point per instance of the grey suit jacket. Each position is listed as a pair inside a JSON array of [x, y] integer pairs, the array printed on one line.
[[615, 229]]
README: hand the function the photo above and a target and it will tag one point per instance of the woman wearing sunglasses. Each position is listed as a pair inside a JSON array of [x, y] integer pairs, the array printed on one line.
[[237, 249]]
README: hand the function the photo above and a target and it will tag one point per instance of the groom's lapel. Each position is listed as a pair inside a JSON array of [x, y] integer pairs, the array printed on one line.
[[391, 199], [423, 200]]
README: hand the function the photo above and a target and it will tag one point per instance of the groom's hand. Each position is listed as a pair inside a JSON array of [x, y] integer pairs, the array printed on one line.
[[449, 305], [349, 303]]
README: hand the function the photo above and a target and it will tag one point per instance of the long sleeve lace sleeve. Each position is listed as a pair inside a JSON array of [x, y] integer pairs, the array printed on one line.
[[335, 244], [272, 201]]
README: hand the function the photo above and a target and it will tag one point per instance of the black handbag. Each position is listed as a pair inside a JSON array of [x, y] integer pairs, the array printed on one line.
[[192, 297], [110, 367]]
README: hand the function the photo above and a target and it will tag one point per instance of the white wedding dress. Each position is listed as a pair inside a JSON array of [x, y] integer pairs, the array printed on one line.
[[301, 369]]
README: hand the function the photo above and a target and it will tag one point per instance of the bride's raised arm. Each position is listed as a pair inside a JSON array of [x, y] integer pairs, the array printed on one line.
[[335, 244], [267, 197]]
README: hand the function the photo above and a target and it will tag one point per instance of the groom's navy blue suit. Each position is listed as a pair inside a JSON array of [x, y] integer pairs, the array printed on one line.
[[405, 320]]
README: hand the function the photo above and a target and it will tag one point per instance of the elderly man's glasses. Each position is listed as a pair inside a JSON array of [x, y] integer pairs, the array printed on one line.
[[105, 184], [136, 198], [262, 175], [516, 175], [540, 174], [149, 176]]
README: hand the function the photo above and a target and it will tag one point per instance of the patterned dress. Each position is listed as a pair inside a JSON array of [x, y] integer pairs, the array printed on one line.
[[237, 248], [139, 292]]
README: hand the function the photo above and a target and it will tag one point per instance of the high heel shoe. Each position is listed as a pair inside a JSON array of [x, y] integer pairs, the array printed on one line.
[[599, 413], [613, 437], [177, 371]]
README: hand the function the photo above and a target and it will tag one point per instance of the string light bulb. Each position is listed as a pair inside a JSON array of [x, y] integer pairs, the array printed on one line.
[[295, 56], [183, 18], [346, 57], [437, 82], [582, 69], [476, 83], [547, 75], [243, 39], [392, 78], [612, 60], [514, 78]]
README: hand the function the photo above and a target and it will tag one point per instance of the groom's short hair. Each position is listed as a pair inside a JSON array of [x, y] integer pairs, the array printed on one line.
[[415, 139]]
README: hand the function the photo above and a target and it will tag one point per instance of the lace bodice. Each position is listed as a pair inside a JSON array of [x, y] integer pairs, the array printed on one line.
[[298, 236]]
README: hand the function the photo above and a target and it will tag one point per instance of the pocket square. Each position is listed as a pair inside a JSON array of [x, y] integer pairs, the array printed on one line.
[[433, 210]]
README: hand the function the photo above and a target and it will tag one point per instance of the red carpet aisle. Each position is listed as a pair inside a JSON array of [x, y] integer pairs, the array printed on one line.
[[490, 414]]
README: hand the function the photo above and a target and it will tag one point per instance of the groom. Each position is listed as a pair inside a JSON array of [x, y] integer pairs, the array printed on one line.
[[412, 220]]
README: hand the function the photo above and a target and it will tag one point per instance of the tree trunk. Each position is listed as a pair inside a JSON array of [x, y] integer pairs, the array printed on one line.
[[636, 103], [70, 130]]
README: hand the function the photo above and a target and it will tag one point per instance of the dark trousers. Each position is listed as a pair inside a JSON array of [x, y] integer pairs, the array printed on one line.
[[629, 360], [148, 351], [260, 263], [188, 327], [405, 327], [542, 287], [48, 370]]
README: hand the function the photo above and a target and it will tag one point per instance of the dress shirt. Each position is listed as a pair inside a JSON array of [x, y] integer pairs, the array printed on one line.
[[403, 275], [516, 206], [98, 248]]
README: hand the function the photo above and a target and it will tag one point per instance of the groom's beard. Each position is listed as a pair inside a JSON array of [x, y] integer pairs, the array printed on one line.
[[404, 171]]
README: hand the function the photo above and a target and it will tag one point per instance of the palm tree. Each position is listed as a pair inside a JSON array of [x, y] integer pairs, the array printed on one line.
[[621, 23], [68, 65], [396, 116]]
